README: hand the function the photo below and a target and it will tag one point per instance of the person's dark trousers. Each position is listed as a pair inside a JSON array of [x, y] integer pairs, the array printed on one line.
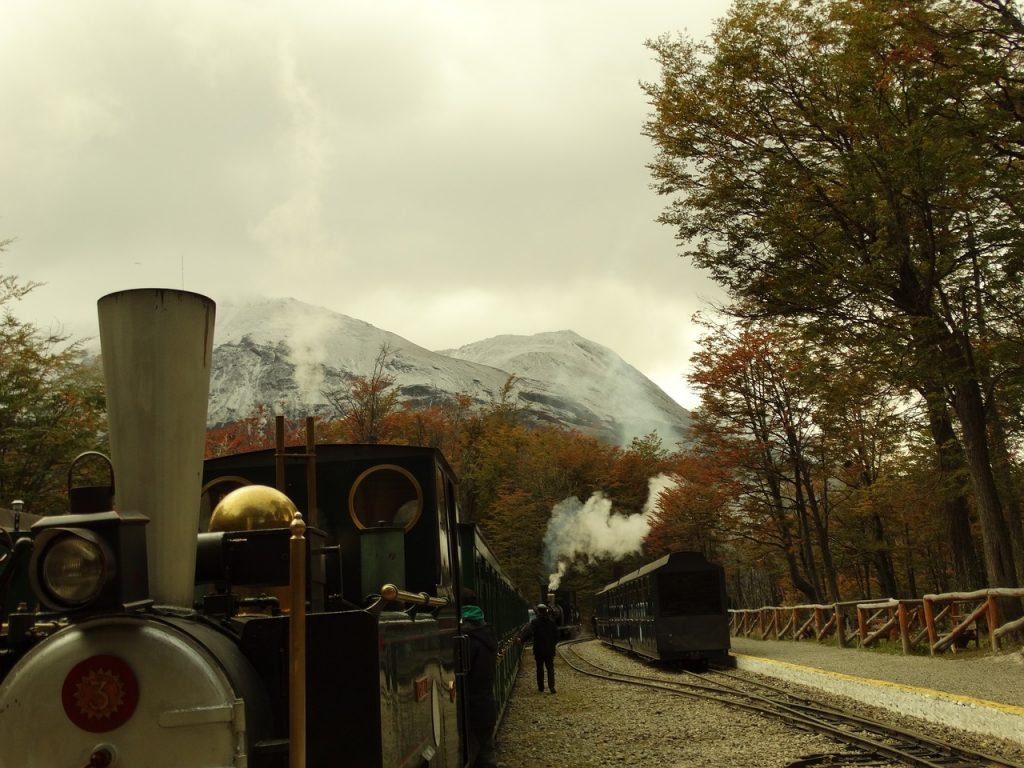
[[545, 662]]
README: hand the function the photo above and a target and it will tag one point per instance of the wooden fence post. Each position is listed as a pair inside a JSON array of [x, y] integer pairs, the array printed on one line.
[[840, 625], [904, 620], [992, 614]]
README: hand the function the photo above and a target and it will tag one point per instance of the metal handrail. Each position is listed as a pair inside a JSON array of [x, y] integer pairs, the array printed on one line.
[[389, 593]]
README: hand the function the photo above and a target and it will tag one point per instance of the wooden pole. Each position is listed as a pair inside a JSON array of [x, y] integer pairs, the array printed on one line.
[[279, 451], [840, 626], [992, 614], [311, 511], [297, 646], [904, 619], [929, 624]]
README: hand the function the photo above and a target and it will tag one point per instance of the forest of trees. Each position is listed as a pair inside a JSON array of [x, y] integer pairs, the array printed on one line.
[[850, 172]]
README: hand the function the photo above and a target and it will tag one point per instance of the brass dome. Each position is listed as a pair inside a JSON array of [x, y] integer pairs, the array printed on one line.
[[252, 507]]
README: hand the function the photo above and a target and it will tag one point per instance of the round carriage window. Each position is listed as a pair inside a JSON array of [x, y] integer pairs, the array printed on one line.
[[385, 495]]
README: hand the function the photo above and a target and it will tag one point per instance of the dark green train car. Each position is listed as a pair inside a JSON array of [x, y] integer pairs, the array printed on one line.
[[672, 609], [504, 607]]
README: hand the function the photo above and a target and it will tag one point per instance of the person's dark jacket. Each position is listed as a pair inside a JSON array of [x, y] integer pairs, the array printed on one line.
[[483, 659], [544, 632]]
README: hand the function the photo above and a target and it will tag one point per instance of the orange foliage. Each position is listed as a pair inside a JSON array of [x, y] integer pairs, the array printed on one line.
[[253, 433], [695, 513]]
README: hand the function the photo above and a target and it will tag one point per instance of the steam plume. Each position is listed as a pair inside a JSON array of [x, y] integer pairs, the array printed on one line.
[[594, 529]]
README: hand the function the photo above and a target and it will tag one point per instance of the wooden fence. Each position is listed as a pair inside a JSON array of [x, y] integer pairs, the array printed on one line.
[[945, 622]]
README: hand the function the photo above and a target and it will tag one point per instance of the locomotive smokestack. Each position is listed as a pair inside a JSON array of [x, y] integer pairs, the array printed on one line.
[[157, 345]]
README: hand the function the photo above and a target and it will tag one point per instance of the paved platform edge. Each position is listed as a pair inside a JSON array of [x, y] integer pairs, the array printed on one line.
[[1004, 721]]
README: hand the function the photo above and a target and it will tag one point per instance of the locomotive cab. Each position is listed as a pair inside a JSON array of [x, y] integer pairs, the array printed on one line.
[[387, 516]]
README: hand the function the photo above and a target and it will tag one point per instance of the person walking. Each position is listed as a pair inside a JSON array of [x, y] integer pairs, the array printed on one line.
[[481, 712], [544, 632]]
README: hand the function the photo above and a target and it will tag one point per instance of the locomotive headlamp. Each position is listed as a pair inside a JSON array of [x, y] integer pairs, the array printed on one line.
[[90, 562], [75, 566]]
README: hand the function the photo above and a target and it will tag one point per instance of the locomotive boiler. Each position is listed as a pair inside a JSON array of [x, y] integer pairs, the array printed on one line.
[[288, 607]]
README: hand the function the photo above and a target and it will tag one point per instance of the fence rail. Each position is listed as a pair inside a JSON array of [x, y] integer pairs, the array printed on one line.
[[945, 622]]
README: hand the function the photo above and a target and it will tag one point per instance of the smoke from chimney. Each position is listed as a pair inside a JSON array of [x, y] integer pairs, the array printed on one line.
[[595, 529]]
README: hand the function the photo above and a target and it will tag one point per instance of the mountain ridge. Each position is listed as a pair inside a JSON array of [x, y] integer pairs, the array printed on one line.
[[286, 354]]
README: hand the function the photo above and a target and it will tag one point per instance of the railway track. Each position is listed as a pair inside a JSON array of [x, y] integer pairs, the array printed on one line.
[[866, 742]]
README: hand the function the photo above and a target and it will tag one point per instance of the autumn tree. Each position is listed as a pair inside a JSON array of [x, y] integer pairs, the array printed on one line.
[[255, 432], [840, 162], [512, 475], [642, 460], [694, 513], [753, 407], [51, 407], [795, 445], [366, 408], [865, 423]]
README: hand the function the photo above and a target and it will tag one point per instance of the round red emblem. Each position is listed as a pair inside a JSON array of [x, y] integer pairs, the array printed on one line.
[[100, 694]]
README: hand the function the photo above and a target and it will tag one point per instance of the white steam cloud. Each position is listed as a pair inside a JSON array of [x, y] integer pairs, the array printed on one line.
[[594, 529]]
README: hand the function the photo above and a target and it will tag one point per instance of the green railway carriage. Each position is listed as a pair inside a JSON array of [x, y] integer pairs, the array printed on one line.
[[504, 607], [674, 608]]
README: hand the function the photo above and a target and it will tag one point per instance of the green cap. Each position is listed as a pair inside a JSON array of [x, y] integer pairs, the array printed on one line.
[[473, 613]]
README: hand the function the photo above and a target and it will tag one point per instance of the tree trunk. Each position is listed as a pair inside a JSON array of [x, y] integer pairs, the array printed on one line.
[[811, 518], [968, 572], [821, 531], [946, 354], [881, 558], [999, 561], [799, 582], [803, 514], [1002, 467], [788, 545], [909, 571]]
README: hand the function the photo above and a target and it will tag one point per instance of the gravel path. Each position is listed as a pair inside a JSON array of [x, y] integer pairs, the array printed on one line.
[[597, 723]]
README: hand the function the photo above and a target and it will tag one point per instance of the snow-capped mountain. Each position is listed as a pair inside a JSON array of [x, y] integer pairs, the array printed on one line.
[[595, 378], [286, 355]]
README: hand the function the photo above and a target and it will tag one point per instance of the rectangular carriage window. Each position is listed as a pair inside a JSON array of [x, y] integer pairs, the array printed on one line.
[[690, 594]]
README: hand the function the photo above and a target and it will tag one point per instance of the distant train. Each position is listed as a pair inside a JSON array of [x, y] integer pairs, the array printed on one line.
[[672, 609], [563, 609], [262, 641]]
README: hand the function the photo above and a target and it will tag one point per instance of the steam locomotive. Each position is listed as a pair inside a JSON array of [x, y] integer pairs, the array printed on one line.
[[563, 609], [270, 638]]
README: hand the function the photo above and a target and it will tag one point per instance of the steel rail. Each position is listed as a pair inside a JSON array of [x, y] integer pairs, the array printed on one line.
[[826, 711], [809, 715]]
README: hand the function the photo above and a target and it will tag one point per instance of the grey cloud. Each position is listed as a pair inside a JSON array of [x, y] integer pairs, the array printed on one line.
[[359, 155]]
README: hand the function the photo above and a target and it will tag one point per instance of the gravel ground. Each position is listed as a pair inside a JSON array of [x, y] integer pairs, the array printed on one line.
[[593, 722]]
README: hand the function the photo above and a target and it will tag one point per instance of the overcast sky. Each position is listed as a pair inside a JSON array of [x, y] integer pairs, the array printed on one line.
[[448, 170]]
